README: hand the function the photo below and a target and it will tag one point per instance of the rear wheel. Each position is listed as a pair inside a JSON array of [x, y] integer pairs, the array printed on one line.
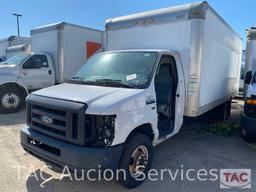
[[136, 160], [221, 112], [12, 99]]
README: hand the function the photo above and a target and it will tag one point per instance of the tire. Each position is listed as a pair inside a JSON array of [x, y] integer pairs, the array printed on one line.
[[246, 136], [219, 113], [16, 99], [135, 142], [224, 112], [229, 106]]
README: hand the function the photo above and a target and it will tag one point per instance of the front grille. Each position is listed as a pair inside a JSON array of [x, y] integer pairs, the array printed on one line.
[[60, 119], [58, 126]]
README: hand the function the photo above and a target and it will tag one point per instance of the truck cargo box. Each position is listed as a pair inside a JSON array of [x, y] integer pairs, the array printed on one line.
[[12, 41], [69, 45], [209, 48]]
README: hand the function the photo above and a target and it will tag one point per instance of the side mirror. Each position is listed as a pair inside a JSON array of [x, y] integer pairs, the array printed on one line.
[[248, 77]]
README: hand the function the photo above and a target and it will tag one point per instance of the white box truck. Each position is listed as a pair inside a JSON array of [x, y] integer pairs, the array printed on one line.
[[58, 51], [159, 66], [248, 125], [9, 42]]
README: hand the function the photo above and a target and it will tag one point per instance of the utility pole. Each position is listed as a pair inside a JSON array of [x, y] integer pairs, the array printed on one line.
[[18, 22]]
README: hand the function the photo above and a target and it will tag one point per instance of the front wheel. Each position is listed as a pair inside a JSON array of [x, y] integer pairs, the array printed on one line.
[[136, 160], [246, 136], [12, 100]]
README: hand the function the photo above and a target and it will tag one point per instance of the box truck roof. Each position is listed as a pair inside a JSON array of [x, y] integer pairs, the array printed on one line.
[[55, 26], [165, 15]]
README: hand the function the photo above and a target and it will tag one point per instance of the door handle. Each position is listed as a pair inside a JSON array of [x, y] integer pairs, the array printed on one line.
[[24, 73], [49, 72], [178, 95]]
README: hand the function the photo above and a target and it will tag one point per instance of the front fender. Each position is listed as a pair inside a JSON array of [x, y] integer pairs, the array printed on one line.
[[132, 113], [12, 79], [7, 78]]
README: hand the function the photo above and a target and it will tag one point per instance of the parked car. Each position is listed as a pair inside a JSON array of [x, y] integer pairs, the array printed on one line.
[[248, 125], [58, 51], [159, 66]]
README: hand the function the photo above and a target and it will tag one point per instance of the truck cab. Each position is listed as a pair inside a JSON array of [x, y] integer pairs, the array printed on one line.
[[119, 104], [248, 128], [21, 74]]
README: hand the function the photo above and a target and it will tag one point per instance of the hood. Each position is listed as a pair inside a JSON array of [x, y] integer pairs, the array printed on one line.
[[96, 97], [8, 68]]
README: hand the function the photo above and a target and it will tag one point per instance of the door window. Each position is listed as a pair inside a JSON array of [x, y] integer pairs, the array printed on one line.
[[36, 62]]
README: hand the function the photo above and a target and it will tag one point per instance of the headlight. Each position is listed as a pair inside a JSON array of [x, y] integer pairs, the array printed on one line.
[[104, 130], [250, 107], [250, 102]]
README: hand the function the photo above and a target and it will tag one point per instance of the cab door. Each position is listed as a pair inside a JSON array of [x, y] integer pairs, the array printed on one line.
[[180, 95], [170, 94], [37, 73]]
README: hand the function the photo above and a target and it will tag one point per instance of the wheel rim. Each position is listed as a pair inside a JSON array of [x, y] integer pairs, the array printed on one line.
[[10, 100], [138, 161], [243, 132]]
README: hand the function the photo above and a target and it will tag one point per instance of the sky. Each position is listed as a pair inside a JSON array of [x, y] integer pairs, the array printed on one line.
[[240, 14]]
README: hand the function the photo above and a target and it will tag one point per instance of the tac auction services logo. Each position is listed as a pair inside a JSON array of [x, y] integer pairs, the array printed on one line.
[[235, 178]]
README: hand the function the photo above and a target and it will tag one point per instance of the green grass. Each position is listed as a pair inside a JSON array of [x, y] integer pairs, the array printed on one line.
[[225, 129]]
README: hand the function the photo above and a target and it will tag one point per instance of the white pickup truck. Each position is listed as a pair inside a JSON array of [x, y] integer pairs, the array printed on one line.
[[58, 51], [159, 66]]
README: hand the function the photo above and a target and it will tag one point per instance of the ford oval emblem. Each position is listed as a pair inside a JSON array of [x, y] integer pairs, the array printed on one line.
[[46, 119]]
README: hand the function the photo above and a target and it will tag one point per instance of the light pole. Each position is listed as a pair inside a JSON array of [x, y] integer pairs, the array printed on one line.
[[18, 23]]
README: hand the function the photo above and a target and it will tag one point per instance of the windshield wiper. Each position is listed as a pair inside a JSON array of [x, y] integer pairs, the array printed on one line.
[[101, 81], [77, 78], [114, 82], [82, 79]]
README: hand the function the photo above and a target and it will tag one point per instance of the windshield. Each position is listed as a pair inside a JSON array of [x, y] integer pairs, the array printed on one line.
[[127, 69], [15, 60]]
